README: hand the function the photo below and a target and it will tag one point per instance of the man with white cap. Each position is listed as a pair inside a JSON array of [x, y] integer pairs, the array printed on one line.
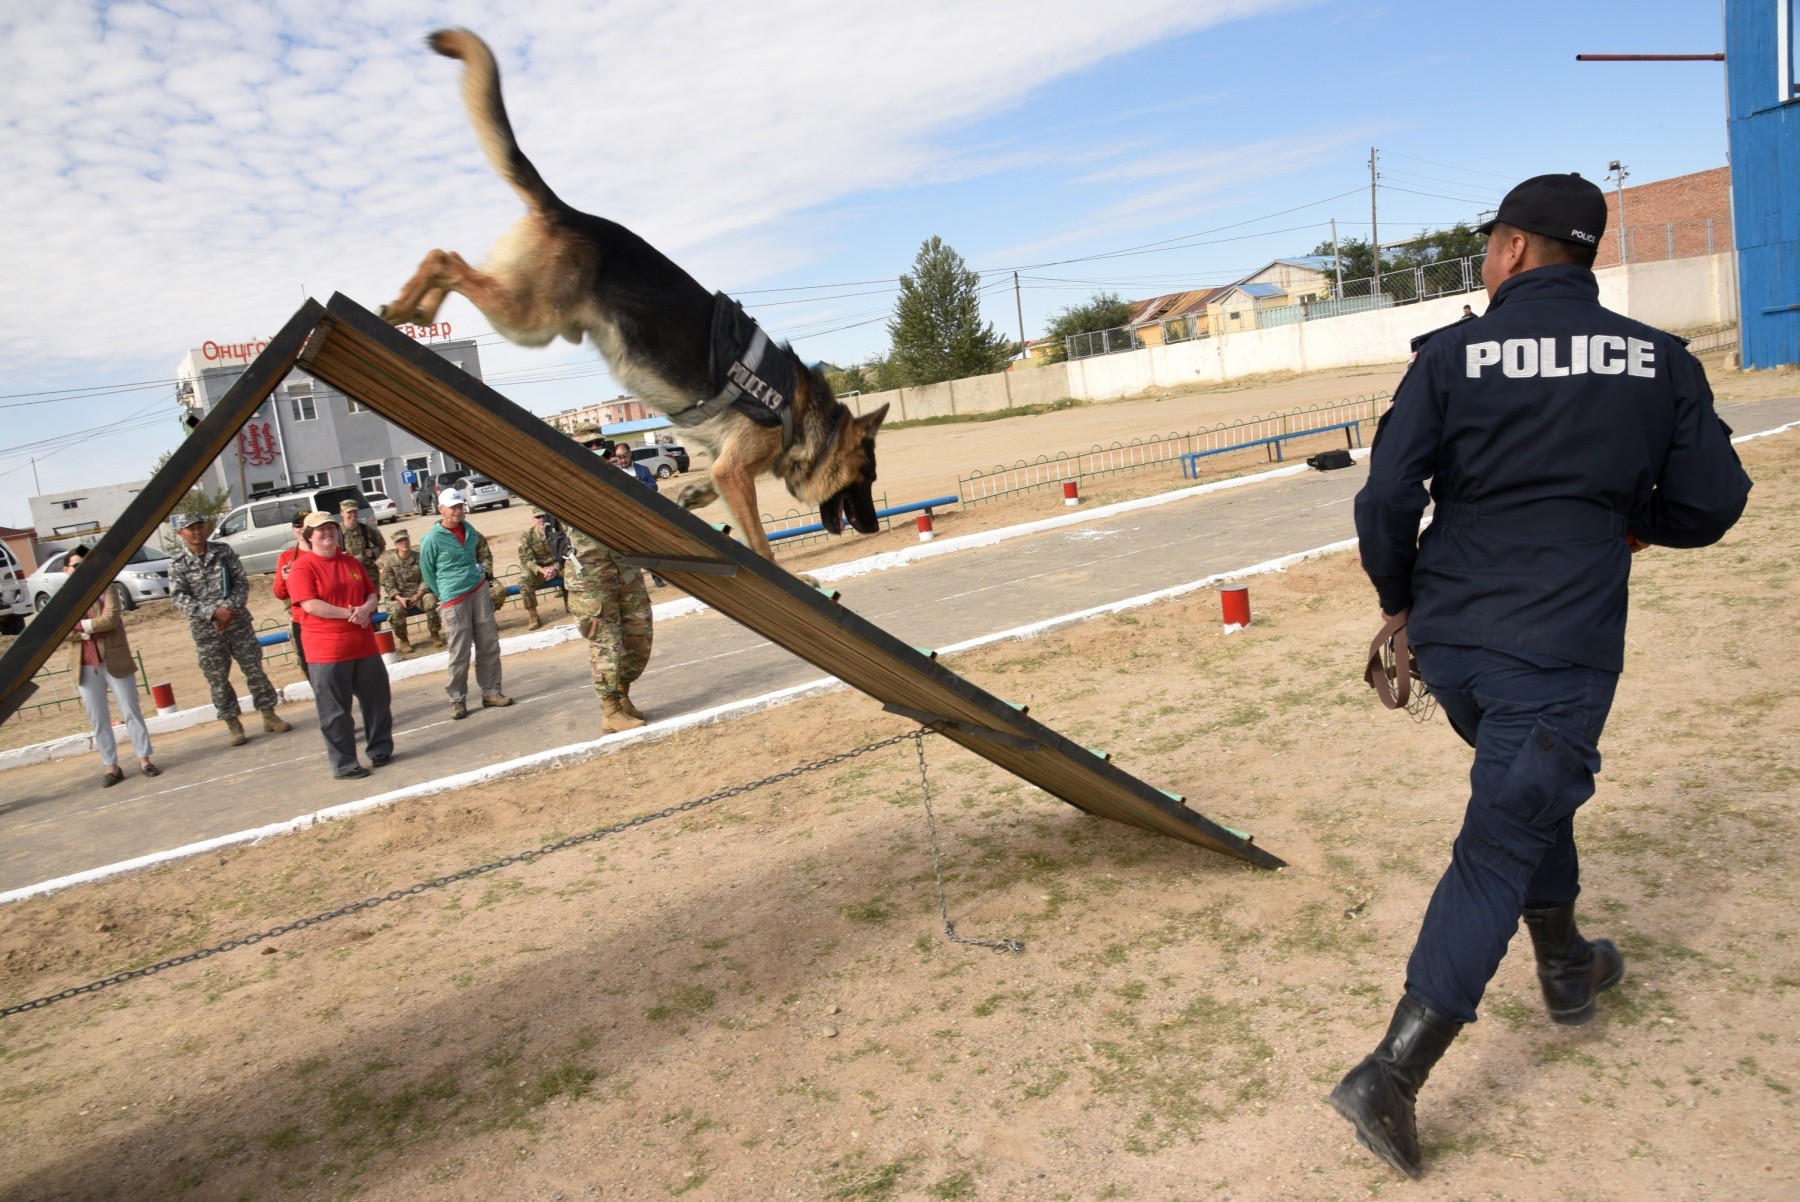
[[450, 560]]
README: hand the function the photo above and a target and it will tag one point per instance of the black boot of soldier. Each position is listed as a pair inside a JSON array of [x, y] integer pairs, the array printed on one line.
[[1377, 1095], [1571, 970]]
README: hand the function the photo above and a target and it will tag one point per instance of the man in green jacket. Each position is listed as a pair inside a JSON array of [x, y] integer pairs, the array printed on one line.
[[453, 571]]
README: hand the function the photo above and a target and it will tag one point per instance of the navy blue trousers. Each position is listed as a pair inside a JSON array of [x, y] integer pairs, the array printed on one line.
[[1535, 726]]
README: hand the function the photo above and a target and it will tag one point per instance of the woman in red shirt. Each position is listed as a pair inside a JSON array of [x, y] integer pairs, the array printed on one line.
[[284, 563], [334, 602]]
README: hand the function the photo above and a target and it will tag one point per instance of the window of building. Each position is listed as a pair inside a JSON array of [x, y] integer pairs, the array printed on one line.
[[372, 476], [316, 480], [75, 504], [1790, 50], [418, 463], [303, 408], [358, 407]]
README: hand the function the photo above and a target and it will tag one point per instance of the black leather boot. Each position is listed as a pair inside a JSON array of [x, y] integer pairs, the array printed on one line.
[[1377, 1095], [1571, 970]]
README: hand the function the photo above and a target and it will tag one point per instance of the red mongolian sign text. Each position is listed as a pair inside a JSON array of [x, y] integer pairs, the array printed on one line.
[[212, 351]]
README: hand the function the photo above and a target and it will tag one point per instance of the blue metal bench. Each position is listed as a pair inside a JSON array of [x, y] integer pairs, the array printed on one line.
[[1190, 462]]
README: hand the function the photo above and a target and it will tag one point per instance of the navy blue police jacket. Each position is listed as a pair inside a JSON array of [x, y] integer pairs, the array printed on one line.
[[1548, 428]]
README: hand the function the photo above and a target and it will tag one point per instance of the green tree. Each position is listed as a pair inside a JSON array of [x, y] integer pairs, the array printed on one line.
[[1433, 246], [1101, 311], [937, 332]]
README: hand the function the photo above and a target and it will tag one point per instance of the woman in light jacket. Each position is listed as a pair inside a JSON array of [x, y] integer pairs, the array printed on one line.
[[100, 659]]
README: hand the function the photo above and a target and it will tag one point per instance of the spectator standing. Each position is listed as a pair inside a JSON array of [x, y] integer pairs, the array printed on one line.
[[538, 565], [99, 660], [284, 563], [621, 457], [403, 584], [360, 539], [334, 600], [207, 582], [450, 560]]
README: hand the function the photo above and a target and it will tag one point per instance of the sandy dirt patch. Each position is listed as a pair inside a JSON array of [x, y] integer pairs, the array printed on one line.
[[753, 1000]]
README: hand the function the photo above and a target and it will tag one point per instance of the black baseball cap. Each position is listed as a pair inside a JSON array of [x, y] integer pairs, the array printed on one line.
[[1565, 207]]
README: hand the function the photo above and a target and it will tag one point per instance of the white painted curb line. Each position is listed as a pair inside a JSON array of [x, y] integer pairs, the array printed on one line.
[[575, 753]]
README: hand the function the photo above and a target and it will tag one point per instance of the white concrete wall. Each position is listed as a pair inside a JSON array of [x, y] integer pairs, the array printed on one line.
[[1673, 294]]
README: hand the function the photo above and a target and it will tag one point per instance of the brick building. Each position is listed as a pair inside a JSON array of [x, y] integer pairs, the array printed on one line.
[[1670, 219]]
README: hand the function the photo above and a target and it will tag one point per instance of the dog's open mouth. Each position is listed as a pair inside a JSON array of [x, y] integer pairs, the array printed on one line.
[[854, 507]]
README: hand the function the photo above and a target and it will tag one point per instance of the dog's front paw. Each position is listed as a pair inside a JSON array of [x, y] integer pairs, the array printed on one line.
[[697, 496]]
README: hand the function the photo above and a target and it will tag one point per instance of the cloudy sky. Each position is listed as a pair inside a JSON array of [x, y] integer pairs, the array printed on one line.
[[179, 172]]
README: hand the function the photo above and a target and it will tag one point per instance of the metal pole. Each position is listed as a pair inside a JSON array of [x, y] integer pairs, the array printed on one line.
[[1337, 262], [1618, 174], [1023, 353], [1374, 234], [34, 478]]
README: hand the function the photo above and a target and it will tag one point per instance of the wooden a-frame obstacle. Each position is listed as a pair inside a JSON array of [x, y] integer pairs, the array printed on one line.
[[355, 352]]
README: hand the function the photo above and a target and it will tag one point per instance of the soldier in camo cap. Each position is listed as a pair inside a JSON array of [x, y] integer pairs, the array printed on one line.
[[363, 542], [207, 582]]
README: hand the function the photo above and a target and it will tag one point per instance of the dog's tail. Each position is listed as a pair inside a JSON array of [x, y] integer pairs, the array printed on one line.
[[481, 95]]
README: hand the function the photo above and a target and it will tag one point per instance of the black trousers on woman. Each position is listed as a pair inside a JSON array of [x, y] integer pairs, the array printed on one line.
[[333, 686]]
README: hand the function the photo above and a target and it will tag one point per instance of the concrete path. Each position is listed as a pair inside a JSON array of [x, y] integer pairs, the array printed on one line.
[[55, 819]]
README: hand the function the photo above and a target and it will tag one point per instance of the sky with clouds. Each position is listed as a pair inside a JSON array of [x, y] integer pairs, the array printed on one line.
[[181, 171]]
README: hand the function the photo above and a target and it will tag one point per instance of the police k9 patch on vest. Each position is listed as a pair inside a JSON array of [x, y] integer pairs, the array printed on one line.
[[749, 371]]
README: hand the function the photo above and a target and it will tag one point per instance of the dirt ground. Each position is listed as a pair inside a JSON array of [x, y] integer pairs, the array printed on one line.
[[753, 1000]]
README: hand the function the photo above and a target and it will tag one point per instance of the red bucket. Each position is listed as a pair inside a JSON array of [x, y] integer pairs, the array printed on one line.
[[1234, 599]]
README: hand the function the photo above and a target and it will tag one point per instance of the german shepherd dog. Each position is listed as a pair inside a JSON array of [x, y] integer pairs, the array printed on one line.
[[559, 271]]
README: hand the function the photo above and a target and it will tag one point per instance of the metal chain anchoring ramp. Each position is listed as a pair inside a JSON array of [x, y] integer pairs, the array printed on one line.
[[352, 350]]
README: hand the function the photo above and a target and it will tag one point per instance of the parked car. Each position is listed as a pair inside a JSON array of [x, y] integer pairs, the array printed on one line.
[[383, 507], [654, 458], [478, 491], [260, 531], [145, 577], [15, 602], [676, 452]]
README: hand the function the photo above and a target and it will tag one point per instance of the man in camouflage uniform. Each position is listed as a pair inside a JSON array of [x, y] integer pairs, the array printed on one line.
[[364, 543], [613, 606], [403, 585], [538, 565], [207, 582]]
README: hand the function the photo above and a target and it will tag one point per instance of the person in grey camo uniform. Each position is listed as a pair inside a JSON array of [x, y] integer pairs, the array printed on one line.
[[207, 582]]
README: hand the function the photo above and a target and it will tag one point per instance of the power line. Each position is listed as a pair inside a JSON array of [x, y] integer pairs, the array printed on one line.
[[1450, 166]]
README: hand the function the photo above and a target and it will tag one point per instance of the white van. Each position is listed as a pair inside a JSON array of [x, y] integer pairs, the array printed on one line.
[[15, 601], [260, 531]]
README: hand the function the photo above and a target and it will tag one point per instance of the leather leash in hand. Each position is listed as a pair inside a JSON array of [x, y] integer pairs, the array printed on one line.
[[1391, 663]]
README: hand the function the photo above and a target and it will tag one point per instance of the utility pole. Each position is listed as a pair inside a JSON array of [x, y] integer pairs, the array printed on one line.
[[1024, 354], [1374, 234], [1337, 261], [34, 478], [1616, 173]]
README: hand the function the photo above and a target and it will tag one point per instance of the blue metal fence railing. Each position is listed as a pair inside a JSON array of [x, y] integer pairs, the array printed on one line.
[[1048, 471], [58, 686], [883, 514]]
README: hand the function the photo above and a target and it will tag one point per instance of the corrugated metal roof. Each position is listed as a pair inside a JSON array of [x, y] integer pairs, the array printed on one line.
[[639, 426], [1261, 291], [1172, 304]]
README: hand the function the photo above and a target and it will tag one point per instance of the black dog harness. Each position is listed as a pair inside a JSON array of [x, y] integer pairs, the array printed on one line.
[[749, 371]]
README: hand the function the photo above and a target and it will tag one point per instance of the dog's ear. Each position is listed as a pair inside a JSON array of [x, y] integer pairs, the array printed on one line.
[[867, 424]]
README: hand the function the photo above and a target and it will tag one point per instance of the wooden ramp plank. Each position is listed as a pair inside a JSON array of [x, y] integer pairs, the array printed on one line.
[[144, 517], [357, 353]]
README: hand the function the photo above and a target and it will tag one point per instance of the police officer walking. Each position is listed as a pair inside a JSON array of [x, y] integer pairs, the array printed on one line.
[[207, 582], [1559, 438]]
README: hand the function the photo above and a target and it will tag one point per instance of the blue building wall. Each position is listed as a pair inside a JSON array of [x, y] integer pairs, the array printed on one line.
[[1761, 44]]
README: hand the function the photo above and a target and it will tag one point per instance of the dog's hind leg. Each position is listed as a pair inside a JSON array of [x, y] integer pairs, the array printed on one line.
[[443, 272]]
